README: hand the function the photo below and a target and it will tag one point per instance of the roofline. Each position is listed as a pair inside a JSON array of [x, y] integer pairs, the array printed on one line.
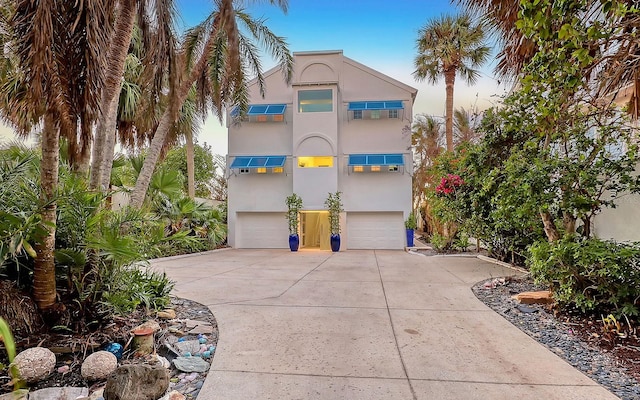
[[316, 52], [383, 76]]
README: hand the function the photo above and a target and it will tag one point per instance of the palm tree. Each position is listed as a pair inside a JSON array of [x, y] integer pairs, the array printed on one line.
[[156, 38], [426, 139], [464, 127], [57, 47], [447, 46], [217, 57]]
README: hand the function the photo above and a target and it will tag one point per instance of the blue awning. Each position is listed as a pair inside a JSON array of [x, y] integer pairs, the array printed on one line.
[[376, 159], [258, 162], [262, 109], [376, 105]]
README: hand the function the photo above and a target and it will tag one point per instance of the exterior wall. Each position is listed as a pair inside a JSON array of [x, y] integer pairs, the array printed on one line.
[[332, 133], [620, 223]]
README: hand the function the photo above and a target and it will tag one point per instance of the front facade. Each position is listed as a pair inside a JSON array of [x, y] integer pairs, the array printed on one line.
[[340, 126]]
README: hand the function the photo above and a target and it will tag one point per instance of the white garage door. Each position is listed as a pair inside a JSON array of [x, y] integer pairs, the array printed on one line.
[[375, 230], [256, 230]]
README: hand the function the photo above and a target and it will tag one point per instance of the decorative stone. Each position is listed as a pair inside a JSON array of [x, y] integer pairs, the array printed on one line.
[[174, 395], [59, 393], [201, 329], [35, 364], [98, 394], [163, 361], [540, 297], [188, 346], [137, 382], [191, 364], [99, 366], [167, 313]]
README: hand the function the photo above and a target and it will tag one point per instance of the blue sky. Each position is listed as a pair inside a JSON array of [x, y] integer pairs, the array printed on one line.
[[379, 34]]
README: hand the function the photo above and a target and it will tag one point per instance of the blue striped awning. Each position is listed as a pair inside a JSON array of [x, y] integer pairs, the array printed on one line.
[[375, 159], [262, 109], [376, 105], [258, 162]]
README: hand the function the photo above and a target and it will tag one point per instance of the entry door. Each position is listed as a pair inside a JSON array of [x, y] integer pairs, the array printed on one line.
[[315, 230]]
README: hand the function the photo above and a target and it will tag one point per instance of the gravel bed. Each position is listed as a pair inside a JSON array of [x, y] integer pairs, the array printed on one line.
[[556, 335]]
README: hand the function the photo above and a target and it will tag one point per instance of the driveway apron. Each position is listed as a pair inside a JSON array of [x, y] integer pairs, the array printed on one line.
[[364, 324]]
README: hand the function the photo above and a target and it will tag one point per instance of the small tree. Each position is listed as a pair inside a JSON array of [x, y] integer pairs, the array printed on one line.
[[294, 204], [334, 205]]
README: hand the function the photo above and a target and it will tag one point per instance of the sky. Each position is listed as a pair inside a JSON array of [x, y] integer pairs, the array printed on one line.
[[379, 34]]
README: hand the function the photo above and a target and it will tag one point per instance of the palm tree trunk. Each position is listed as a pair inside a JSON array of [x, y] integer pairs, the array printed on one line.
[[44, 272], [449, 80], [167, 120], [107, 122], [191, 172], [109, 144]]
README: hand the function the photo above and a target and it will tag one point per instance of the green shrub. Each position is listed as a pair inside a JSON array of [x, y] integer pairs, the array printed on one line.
[[591, 275], [132, 287], [439, 242]]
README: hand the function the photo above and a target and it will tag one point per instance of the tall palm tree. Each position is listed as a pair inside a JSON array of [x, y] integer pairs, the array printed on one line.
[[217, 56], [58, 48], [449, 46], [156, 38]]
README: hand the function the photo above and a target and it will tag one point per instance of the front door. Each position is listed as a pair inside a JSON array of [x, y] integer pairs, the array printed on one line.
[[315, 230]]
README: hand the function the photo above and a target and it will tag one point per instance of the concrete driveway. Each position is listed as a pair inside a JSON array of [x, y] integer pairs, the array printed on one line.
[[364, 325]]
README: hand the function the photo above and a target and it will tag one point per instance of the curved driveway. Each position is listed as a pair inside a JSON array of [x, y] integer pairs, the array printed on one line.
[[364, 325]]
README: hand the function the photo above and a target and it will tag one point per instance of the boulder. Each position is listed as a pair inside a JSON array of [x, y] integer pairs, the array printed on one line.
[[540, 297], [137, 382], [35, 364], [99, 366], [174, 395]]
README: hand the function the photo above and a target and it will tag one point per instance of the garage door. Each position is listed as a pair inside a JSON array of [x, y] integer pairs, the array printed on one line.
[[262, 231], [375, 230]]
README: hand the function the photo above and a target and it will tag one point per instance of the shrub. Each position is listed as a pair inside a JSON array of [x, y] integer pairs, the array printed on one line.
[[589, 274]]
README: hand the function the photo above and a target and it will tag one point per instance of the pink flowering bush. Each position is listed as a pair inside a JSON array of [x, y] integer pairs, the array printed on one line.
[[449, 184]]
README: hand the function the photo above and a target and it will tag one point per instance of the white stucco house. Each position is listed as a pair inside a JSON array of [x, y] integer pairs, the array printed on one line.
[[339, 126]]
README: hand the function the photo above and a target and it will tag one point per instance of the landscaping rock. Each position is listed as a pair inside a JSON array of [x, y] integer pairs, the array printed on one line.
[[137, 382], [35, 364], [540, 297], [150, 325], [167, 313], [205, 328], [191, 364], [188, 346], [174, 395], [56, 393], [98, 366]]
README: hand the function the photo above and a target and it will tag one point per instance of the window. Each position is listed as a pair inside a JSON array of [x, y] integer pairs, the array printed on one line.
[[375, 168], [393, 168], [393, 114], [375, 114], [315, 162], [261, 170], [278, 170], [357, 114], [315, 100], [358, 168], [244, 170]]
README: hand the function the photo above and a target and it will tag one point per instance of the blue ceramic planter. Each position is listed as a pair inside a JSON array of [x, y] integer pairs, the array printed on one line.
[[409, 237], [294, 242], [335, 242]]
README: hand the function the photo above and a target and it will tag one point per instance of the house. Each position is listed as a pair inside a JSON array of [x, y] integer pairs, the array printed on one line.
[[339, 126]]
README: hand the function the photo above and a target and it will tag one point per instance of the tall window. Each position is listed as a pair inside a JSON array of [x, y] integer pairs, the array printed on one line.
[[315, 100], [357, 114], [393, 113]]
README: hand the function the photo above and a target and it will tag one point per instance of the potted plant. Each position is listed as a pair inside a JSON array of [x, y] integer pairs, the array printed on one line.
[[334, 205], [410, 224], [294, 204]]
